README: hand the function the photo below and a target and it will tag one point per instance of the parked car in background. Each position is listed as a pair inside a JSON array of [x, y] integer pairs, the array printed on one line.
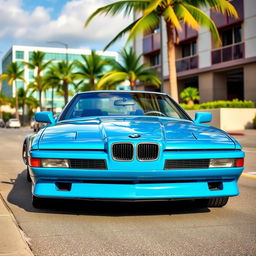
[[13, 123], [2, 124], [128, 145]]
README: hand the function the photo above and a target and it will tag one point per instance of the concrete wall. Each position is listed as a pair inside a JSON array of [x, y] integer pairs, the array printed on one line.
[[250, 28], [206, 87], [250, 81], [229, 119]]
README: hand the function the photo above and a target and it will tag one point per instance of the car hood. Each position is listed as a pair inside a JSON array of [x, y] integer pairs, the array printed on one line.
[[97, 133]]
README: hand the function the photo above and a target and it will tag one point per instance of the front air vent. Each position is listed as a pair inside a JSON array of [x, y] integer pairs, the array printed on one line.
[[122, 151], [147, 151], [98, 164], [186, 164]]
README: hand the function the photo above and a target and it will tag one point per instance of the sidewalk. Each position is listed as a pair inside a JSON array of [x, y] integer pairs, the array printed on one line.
[[12, 240]]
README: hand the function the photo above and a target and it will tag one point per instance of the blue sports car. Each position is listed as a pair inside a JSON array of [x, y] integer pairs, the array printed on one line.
[[131, 145]]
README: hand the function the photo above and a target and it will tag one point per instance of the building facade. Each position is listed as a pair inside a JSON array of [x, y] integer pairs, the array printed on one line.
[[219, 73], [21, 54]]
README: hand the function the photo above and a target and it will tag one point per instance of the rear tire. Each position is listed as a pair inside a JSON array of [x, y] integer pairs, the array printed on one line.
[[217, 201], [38, 202]]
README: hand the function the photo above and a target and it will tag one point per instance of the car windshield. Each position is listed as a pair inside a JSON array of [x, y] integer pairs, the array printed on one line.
[[121, 104]]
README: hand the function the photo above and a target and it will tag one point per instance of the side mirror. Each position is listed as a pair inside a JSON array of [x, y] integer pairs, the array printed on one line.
[[203, 117], [45, 117]]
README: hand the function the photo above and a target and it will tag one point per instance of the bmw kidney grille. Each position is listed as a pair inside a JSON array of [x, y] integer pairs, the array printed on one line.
[[125, 151]]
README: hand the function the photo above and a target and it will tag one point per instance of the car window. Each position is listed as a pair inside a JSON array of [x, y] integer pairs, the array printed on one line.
[[121, 104]]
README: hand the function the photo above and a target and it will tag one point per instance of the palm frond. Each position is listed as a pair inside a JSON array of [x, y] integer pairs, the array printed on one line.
[[121, 34], [127, 7], [112, 77], [145, 23], [170, 16], [184, 14], [204, 20]]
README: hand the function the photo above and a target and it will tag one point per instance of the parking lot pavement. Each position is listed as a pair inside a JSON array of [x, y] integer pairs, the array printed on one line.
[[159, 228]]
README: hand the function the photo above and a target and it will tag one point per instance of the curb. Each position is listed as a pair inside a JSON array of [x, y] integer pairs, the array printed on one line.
[[22, 245]]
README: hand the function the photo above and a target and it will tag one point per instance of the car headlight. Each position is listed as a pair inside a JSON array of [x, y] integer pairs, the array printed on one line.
[[55, 163], [222, 163]]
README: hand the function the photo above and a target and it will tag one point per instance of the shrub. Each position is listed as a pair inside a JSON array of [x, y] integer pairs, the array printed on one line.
[[221, 104], [190, 94]]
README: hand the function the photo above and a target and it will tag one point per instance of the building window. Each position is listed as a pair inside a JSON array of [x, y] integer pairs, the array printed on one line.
[[188, 49], [231, 35], [154, 59], [20, 55], [31, 75], [19, 84]]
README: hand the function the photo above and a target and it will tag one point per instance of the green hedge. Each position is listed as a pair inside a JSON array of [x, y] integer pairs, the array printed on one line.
[[221, 104]]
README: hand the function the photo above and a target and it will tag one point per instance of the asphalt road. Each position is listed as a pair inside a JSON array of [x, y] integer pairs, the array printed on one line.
[[97, 228]]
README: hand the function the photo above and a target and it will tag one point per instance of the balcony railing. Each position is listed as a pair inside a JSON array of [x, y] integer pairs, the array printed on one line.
[[187, 63], [157, 68], [228, 53], [151, 43]]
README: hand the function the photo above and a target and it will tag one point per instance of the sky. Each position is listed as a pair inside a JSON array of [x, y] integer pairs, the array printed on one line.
[[35, 22]]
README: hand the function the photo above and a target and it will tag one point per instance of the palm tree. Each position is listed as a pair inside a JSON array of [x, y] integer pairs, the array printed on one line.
[[173, 12], [190, 94], [37, 63], [26, 99], [91, 69], [129, 69], [3, 101], [62, 74], [14, 73]]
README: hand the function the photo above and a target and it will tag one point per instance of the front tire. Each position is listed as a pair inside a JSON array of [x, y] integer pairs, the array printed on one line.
[[28, 176], [217, 201], [37, 202]]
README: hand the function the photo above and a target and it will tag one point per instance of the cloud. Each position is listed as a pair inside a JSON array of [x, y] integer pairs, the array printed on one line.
[[37, 26]]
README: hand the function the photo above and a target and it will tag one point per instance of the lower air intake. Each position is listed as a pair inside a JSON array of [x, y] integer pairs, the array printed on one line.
[[187, 164], [98, 164]]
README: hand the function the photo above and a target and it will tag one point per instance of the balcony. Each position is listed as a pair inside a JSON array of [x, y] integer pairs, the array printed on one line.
[[151, 43], [228, 53], [187, 63], [157, 68]]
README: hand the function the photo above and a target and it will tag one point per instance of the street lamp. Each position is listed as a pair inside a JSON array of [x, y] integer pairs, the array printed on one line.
[[66, 46]]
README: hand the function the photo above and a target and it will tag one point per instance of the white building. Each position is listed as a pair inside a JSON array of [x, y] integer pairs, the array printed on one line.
[[21, 54]]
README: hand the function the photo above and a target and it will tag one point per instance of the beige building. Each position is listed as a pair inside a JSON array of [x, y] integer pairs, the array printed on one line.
[[222, 73]]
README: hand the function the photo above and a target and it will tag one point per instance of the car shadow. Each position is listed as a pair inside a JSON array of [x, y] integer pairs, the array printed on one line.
[[20, 195]]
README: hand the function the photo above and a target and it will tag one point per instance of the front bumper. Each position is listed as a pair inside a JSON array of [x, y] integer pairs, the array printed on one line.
[[135, 180], [186, 190]]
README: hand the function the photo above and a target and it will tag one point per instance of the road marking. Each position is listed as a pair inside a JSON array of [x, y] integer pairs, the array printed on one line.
[[249, 176]]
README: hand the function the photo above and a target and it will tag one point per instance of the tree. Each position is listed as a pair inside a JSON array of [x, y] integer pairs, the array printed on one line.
[[128, 69], [14, 73], [37, 63], [91, 68], [62, 74], [173, 12], [190, 94], [26, 99], [3, 101]]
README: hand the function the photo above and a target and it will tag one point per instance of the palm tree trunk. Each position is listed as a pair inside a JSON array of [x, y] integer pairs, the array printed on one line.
[[172, 62], [23, 112], [65, 89], [132, 84], [91, 82], [16, 103], [40, 100]]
